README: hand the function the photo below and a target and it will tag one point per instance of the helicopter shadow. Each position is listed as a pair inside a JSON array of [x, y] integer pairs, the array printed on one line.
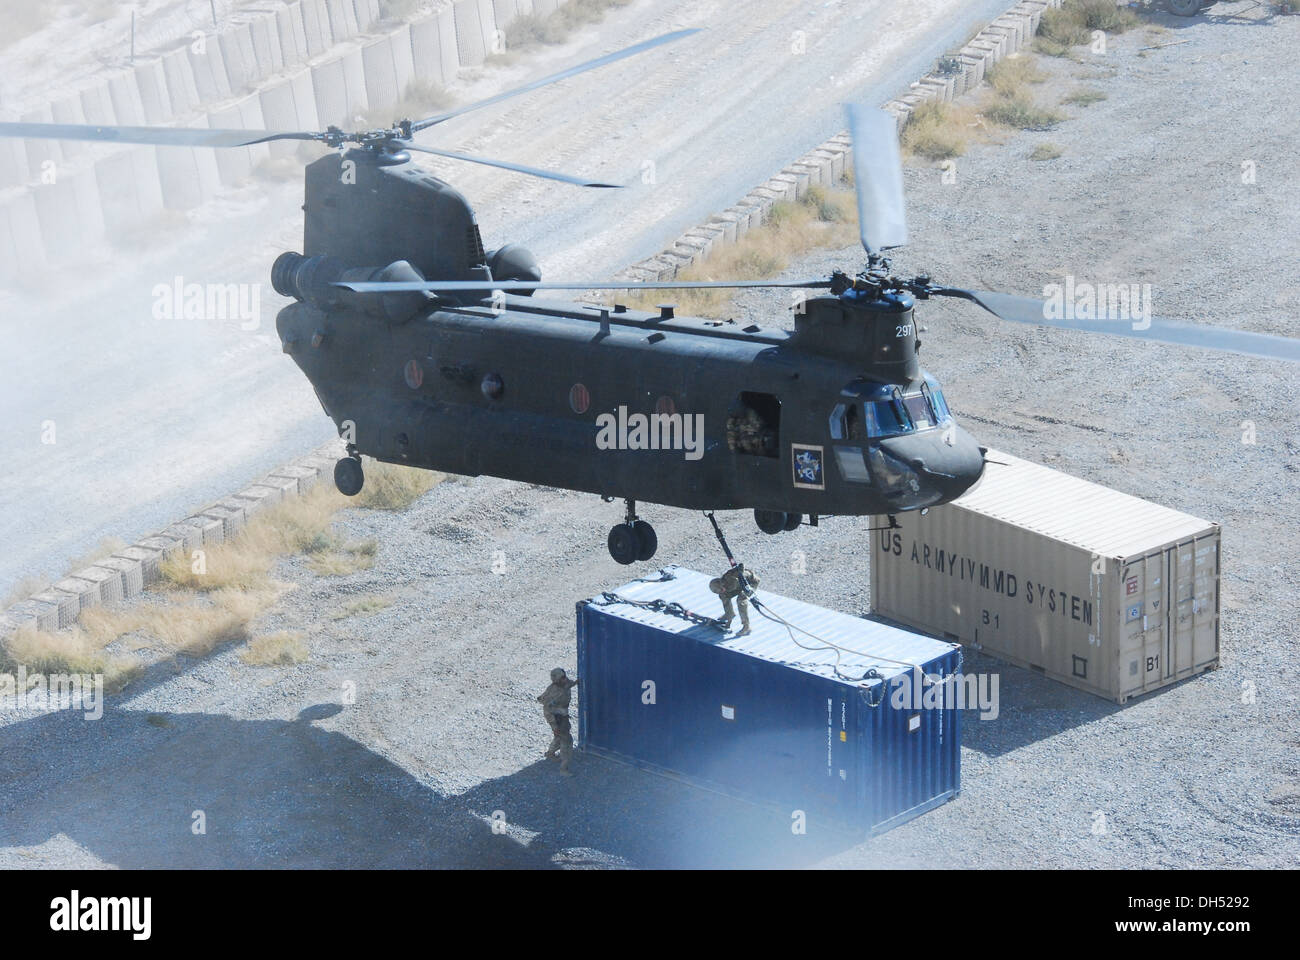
[[210, 791], [1228, 12]]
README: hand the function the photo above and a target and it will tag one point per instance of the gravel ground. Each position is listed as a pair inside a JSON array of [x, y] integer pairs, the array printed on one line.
[[444, 731]]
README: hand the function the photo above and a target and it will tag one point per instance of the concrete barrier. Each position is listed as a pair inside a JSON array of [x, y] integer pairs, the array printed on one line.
[[13, 163], [388, 69], [181, 88], [342, 18], [40, 151], [125, 94], [289, 105], [433, 47], [97, 105], [68, 110], [151, 83], [236, 164], [70, 213], [188, 176], [20, 236], [236, 43], [266, 45], [130, 187], [475, 28], [316, 27], [209, 65], [367, 13], [340, 88], [292, 34]]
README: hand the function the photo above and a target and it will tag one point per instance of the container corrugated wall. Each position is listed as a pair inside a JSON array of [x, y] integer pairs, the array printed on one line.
[[1092, 587], [761, 717]]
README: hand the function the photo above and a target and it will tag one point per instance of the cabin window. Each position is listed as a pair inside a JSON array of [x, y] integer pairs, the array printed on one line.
[[753, 425], [847, 422]]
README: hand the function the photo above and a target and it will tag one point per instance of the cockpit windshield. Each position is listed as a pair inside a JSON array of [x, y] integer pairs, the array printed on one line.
[[868, 409]]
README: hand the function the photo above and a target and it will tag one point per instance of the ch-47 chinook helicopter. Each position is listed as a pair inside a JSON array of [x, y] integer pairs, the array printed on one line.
[[427, 350]]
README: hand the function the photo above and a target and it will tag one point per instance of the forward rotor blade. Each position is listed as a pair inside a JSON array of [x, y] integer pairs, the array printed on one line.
[[1032, 311], [877, 177], [507, 165], [158, 136], [507, 286], [555, 77]]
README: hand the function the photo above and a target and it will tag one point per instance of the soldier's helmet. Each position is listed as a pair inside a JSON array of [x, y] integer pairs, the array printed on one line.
[[557, 675]]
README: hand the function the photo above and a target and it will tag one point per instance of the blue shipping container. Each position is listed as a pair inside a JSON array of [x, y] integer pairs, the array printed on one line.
[[779, 716]]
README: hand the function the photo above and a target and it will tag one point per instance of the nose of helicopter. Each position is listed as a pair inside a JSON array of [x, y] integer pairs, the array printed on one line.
[[946, 461]]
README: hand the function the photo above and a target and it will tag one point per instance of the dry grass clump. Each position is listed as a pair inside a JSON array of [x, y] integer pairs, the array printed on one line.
[[281, 649], [1045, 151], [194, 628], [363, 606], [1012, 104], [824, 217], [1071, 24], [341, 559], [532, 30], [393, 486], [296, 525], [1084, 96], [1021, 113], [941, 131]]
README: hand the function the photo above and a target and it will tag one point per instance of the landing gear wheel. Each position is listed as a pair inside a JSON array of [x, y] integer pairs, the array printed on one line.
[[770, 521], [792, 521], [624, 546], [1185, 8], [348, 476], [646, 540]]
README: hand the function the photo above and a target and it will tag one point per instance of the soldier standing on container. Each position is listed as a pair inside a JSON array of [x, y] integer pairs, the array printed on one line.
[[555, 708], [727, 587]]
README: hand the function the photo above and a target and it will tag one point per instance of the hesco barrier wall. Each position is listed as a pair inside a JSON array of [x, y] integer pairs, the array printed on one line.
[[1087, 585], [841, 727], [131, 569], [297, 65]]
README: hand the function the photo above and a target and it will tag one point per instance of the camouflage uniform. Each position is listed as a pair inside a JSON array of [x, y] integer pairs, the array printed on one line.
[[745, 432], [555, 708], [727, 586]]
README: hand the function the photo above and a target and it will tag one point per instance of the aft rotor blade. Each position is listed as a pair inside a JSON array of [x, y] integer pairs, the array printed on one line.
[[158, 136], [877, 178], [556, 77], [506, 286], [1033, 311], [507, 165]]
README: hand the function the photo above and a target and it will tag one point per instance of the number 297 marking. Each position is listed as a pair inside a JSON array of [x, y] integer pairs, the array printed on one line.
[[903, 330]]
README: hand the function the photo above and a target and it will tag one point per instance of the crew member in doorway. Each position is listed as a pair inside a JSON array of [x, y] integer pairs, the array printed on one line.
[[729, 587], [745, 432], [555, 708]]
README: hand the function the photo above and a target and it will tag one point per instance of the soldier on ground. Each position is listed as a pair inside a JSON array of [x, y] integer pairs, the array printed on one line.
[[555, 708]]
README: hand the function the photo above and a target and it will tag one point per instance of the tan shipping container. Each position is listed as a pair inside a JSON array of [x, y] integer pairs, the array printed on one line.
[[1087, 585]]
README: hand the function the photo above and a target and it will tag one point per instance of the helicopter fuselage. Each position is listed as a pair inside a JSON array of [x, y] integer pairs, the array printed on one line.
[[681, 411]]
